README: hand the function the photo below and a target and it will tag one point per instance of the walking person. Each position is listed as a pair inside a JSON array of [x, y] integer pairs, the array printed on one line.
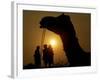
[[51, 55], [45, 55], [37, 57]]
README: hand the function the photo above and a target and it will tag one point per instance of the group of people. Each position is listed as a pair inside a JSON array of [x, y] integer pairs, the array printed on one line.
[[47, 57]]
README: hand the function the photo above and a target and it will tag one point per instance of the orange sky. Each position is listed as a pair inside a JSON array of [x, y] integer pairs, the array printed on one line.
[[32, 34]]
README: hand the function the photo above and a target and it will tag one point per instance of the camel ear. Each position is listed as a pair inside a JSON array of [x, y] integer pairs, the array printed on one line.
[[67, 16], [61, 16], [62, 13]]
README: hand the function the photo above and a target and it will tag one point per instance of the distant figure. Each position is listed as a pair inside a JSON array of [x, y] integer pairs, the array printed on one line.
[[50, 55], [45, 55], [37, 57], [62, 25]]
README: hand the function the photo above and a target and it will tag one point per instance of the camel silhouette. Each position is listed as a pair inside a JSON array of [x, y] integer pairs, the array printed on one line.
[[63, 26]]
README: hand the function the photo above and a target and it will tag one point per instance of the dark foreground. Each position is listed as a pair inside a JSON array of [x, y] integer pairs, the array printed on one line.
[[32, 66]]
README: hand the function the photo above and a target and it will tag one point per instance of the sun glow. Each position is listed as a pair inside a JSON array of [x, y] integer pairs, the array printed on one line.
[[53, 42]]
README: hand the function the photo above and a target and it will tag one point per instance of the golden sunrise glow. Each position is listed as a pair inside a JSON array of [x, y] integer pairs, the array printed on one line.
[[53, 42], [34, 36]]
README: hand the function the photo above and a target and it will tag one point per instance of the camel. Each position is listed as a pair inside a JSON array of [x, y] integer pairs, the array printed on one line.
[[62, 25]]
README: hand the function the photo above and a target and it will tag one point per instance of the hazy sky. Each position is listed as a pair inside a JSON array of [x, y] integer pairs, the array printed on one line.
[[32, 34]]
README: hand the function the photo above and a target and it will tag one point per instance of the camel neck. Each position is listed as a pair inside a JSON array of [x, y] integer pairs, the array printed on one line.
[[70, 43]]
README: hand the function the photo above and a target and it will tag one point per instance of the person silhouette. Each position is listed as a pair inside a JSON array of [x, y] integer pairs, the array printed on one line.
[[62, 25], [37, 57], [45, 55], [50, 55]]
